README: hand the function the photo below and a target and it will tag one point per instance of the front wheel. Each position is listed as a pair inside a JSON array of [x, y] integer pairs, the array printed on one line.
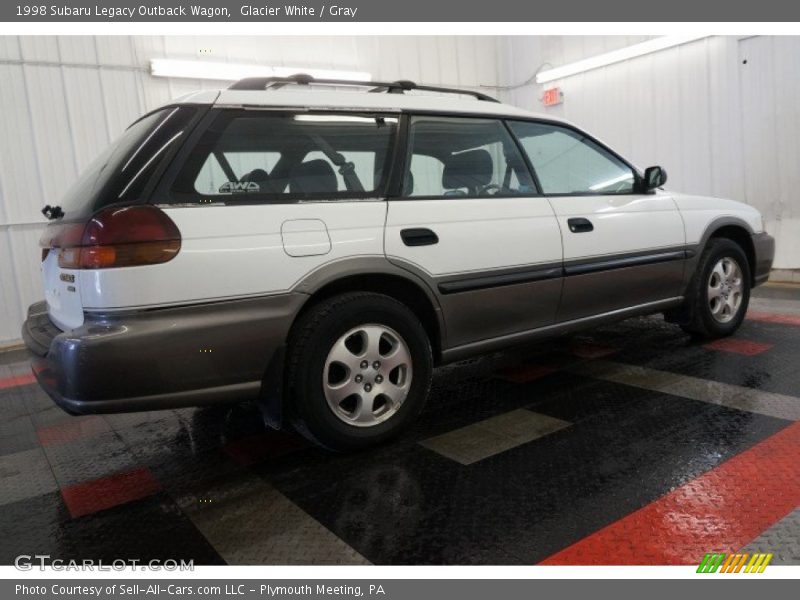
[[720, 291], [359, 370]]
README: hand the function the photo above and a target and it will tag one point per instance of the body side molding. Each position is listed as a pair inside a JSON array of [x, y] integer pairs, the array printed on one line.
[[538, 272], [490, 281], [622, 261]]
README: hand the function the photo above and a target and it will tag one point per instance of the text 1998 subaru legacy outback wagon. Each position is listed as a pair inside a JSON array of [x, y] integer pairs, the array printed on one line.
[[321, 251]]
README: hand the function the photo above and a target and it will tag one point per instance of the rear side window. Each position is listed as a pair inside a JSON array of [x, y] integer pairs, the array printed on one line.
[[123, 171], [453, 157], [253, 156], [568, 162]]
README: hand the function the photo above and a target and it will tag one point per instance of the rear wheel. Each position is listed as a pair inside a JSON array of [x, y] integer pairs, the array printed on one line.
[[360, 367], [720, 291]]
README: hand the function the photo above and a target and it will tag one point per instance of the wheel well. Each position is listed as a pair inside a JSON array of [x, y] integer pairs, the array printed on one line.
[[744, 240], [399, 288]]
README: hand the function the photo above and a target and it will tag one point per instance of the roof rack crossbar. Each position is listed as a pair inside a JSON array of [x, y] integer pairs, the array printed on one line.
[[390, 87]]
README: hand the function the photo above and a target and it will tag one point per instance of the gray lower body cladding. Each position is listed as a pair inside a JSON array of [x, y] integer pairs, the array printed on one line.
[[223, 351], [476, 314], [160, 358], [565, 327], [764, 248]]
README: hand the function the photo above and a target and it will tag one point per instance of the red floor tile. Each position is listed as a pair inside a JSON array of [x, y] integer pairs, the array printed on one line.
[[754, 315], [738, 346], [73, 428], [17, 380], [257, 448], [526, 373], [107, 492], [720, 511]]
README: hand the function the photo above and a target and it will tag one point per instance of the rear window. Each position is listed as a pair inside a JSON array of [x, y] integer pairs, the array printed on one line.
[[252, 156], [124, 169]]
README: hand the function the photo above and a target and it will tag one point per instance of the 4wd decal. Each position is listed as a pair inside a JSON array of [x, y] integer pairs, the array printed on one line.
[[238, 187]]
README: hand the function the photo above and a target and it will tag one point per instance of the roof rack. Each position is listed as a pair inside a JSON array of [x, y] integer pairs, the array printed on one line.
[[392, 87]]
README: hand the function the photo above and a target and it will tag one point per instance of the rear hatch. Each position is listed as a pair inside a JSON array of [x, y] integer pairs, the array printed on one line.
[[120, 176]]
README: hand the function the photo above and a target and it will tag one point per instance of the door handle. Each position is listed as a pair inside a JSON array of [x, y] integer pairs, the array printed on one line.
[[580, 225], [419, 237]]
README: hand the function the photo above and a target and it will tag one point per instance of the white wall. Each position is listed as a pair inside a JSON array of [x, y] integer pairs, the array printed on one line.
[[62, 99], [718, 125]]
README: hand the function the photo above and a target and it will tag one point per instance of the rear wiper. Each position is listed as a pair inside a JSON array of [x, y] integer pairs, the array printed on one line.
[[52, 212]]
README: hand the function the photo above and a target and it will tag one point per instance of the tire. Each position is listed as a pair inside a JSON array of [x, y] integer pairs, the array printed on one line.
[[329, 389], [706, 319]]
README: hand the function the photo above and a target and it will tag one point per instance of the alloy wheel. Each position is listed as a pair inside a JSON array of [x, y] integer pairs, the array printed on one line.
[[367, 375], [725, 290]]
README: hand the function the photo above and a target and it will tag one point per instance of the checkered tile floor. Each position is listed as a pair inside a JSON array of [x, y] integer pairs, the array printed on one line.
[[627, 444]]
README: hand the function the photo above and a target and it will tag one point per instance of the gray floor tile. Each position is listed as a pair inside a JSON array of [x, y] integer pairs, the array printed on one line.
[[25, 475], [18, 442], [776, 305], [16, 367], [249, 522], [49, 415], [87, 459], [782, 540], [15, 358], [713, 392], [16, 425], [494, 435], [70, 430], [13, 400], [136, 419]]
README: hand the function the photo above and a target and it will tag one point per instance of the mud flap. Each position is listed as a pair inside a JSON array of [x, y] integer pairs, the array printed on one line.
[[270, 401]]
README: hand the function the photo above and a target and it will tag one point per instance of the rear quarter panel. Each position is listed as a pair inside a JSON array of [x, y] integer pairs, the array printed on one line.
[[239, 251]]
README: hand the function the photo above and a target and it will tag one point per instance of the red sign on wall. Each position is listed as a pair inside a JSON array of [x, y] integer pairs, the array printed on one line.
[[552, 97]]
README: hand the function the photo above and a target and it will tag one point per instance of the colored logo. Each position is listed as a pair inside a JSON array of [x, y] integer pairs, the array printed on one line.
[[734, 563]]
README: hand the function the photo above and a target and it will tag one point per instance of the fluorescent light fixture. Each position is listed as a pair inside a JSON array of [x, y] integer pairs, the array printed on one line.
[[615, 56], [222, 71]]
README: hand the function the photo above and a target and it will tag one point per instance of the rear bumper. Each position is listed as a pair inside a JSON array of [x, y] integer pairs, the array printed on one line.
[[764, 246], [161, 358]]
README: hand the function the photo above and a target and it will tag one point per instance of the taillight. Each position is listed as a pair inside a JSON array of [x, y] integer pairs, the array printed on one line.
[[116, 237]]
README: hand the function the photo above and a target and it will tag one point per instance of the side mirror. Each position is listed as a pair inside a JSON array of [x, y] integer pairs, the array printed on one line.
[[654, 177]]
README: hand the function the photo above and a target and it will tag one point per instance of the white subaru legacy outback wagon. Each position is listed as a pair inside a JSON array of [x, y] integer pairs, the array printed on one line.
[[322, 250]]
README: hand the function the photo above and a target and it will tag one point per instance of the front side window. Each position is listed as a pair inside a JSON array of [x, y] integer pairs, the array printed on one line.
[[568, 162], [260, 156], [463, 158]]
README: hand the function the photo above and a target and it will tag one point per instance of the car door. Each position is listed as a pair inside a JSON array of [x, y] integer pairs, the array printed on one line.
[[622, 248], [469, 220]]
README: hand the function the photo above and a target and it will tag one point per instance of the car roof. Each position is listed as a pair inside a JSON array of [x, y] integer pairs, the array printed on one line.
[[360, 100]]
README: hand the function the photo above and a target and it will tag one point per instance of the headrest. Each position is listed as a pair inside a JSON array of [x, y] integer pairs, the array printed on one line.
[[469, 170], [255, 175], [313, 177]]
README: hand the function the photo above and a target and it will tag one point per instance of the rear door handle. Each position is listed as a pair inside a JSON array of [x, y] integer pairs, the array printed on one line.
[[580, 225], [419, 237]]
